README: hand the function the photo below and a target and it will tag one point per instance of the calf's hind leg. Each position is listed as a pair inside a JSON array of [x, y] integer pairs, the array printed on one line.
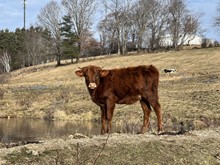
[[156, 106], [157, 110], [152, 101], [146, 110]]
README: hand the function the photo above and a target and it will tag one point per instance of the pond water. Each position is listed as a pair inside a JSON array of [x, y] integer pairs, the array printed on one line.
[[20, 129]]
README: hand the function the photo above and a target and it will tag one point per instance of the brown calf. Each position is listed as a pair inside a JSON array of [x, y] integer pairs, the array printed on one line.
[[123, 86]]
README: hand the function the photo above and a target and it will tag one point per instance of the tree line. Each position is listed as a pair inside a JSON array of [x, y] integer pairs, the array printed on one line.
[[66, 30]]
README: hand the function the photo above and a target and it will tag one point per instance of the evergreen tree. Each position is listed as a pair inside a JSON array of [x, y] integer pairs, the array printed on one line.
[[70, 48], [12, 44], [18, 58]]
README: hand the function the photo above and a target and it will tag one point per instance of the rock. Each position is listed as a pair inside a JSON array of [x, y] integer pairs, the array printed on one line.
[[77, 136], [34, 153]]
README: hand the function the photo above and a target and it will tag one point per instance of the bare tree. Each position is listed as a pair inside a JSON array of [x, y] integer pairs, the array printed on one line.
[[191, 27], [118, 15], [157, 21], [150, 18], [81, 12], [140, 22], [104, 36], [36, 45], [114, 8], [50, 19], [5, 60], [183, 25], [107, 31], [125, 24], [217, 17], [177, 11]]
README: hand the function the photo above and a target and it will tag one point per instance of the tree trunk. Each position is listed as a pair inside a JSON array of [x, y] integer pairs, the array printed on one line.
[[79, 47], [139, 41], [58, 59], [118, 41]]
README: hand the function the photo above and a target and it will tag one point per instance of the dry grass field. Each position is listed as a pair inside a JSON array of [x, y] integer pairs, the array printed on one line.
[[191, 95]]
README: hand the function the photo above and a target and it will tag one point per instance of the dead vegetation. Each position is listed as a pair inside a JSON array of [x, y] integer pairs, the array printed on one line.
[[197, 147], [189, 96]]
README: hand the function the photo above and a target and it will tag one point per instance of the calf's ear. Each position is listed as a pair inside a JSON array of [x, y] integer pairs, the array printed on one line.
[[79, 73], [103, 73]]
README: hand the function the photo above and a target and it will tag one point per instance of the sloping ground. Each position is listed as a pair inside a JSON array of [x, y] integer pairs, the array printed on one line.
[[191, 96], [46, 91], [196, 147]]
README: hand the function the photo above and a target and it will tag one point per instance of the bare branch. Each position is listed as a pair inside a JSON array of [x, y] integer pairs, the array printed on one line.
[[5, 60], [50, 19], [102, 149]]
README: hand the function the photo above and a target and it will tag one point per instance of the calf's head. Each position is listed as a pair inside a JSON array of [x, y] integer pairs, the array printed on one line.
[[92, 75]]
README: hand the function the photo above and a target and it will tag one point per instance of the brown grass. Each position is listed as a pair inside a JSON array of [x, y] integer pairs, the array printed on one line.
[[190, 95], [200, 147]]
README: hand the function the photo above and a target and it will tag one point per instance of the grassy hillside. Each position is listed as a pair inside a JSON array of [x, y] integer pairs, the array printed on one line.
[[191, 95]]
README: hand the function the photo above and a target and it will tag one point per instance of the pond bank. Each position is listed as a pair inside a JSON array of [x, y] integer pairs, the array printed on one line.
[[196, 147]]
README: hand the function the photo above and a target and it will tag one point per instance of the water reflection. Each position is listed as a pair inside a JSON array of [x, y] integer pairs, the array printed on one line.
[[16, 129]]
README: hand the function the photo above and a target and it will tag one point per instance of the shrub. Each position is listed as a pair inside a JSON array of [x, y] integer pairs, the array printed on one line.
[[4, 78]]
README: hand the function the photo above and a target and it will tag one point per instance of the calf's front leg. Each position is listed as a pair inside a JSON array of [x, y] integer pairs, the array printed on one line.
[[103, 119], [110, 111]]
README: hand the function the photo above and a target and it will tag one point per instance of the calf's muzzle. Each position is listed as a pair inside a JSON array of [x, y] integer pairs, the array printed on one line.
[[92, 85]]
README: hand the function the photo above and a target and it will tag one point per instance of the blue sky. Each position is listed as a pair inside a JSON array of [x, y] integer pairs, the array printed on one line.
[[11, 14]]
